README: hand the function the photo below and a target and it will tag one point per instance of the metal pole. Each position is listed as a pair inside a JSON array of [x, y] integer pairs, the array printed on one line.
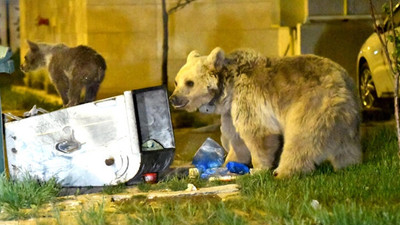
[[8, 22]]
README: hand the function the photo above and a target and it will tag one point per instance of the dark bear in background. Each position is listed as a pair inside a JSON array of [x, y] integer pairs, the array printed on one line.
[[70, 69]]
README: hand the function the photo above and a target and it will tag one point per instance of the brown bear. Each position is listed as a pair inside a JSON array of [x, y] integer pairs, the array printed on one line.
[[70, 69], [304, 104]]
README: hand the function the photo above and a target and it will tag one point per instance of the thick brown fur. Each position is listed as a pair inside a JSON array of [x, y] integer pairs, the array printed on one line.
[[70, 69], [307, 104]]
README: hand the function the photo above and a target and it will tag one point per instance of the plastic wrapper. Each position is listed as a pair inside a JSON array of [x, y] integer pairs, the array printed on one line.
[[238, 168], [209, 155]]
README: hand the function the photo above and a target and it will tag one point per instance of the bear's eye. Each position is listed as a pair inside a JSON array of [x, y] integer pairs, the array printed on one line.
[[189, 83]]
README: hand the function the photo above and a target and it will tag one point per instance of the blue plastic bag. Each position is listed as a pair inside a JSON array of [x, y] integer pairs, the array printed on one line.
[[238, 168], [209, 155]]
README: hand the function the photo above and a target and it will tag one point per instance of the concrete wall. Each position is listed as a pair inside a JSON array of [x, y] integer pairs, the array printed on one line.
[[9, 30], [3, 23], [331, 28], [129, 33], [66, 21], [294, 12], [338, 40]]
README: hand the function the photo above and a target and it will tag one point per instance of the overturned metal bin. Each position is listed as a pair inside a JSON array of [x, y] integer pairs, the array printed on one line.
[[110, 141]]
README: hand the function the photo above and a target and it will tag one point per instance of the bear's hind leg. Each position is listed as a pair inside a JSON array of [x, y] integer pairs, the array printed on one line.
[[347, 154], [299, 155], [91, 91], [74, 92]]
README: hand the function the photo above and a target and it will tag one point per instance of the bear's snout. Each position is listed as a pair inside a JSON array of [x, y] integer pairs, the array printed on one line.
[[178, 102]]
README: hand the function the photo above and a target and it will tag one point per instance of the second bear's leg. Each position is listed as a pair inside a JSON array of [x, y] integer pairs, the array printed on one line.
[[238, 151], [263, 150], [231, 141]]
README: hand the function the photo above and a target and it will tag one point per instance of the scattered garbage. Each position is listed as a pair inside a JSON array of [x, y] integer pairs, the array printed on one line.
[[150, 178], [239, 168], [193, 173], [209, 155], [34, 111], [191, 187], [315, 204], [208, 161], [11, 117], [225, 178], [216, 172]]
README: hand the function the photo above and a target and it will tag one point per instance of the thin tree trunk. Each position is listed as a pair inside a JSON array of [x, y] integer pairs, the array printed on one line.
[[164, 66], [396, 74], [392, 62]]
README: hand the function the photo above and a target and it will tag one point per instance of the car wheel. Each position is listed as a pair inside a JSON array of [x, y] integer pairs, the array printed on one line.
[[367, 89]]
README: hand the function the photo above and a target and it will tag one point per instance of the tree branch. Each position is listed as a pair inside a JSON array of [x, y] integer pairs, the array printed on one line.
[[381, 39], [396, 85], [394, 67], [179, 5]]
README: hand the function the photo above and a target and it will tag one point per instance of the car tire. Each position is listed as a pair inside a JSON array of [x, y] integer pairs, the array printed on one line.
[[367, 91]]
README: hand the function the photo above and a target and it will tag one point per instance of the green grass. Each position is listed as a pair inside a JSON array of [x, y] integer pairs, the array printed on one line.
[[11, 100], [111, 190], [175, 183], [363, 194], [94, 215], [178, 210], [20, 198], [368, 193]]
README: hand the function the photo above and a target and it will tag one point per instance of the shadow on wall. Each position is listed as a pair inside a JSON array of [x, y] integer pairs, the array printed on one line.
[[338, 40]]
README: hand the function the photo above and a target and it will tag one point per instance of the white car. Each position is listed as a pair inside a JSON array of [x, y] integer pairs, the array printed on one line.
[[375, 80]]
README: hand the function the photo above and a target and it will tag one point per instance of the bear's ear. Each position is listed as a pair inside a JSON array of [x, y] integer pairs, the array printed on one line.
[[33, 46], [215, 60], [192, 54]]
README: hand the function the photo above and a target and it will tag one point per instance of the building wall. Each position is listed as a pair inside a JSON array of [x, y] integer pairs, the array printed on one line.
[[3, 23], [9, 30], [129, 33], [333, 28]]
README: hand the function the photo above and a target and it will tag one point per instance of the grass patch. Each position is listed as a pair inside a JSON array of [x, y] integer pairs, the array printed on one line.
[[11, 100], [111, 190], [362, 194], [175, 183], [20, 198], [179, 210], [94, 215]]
